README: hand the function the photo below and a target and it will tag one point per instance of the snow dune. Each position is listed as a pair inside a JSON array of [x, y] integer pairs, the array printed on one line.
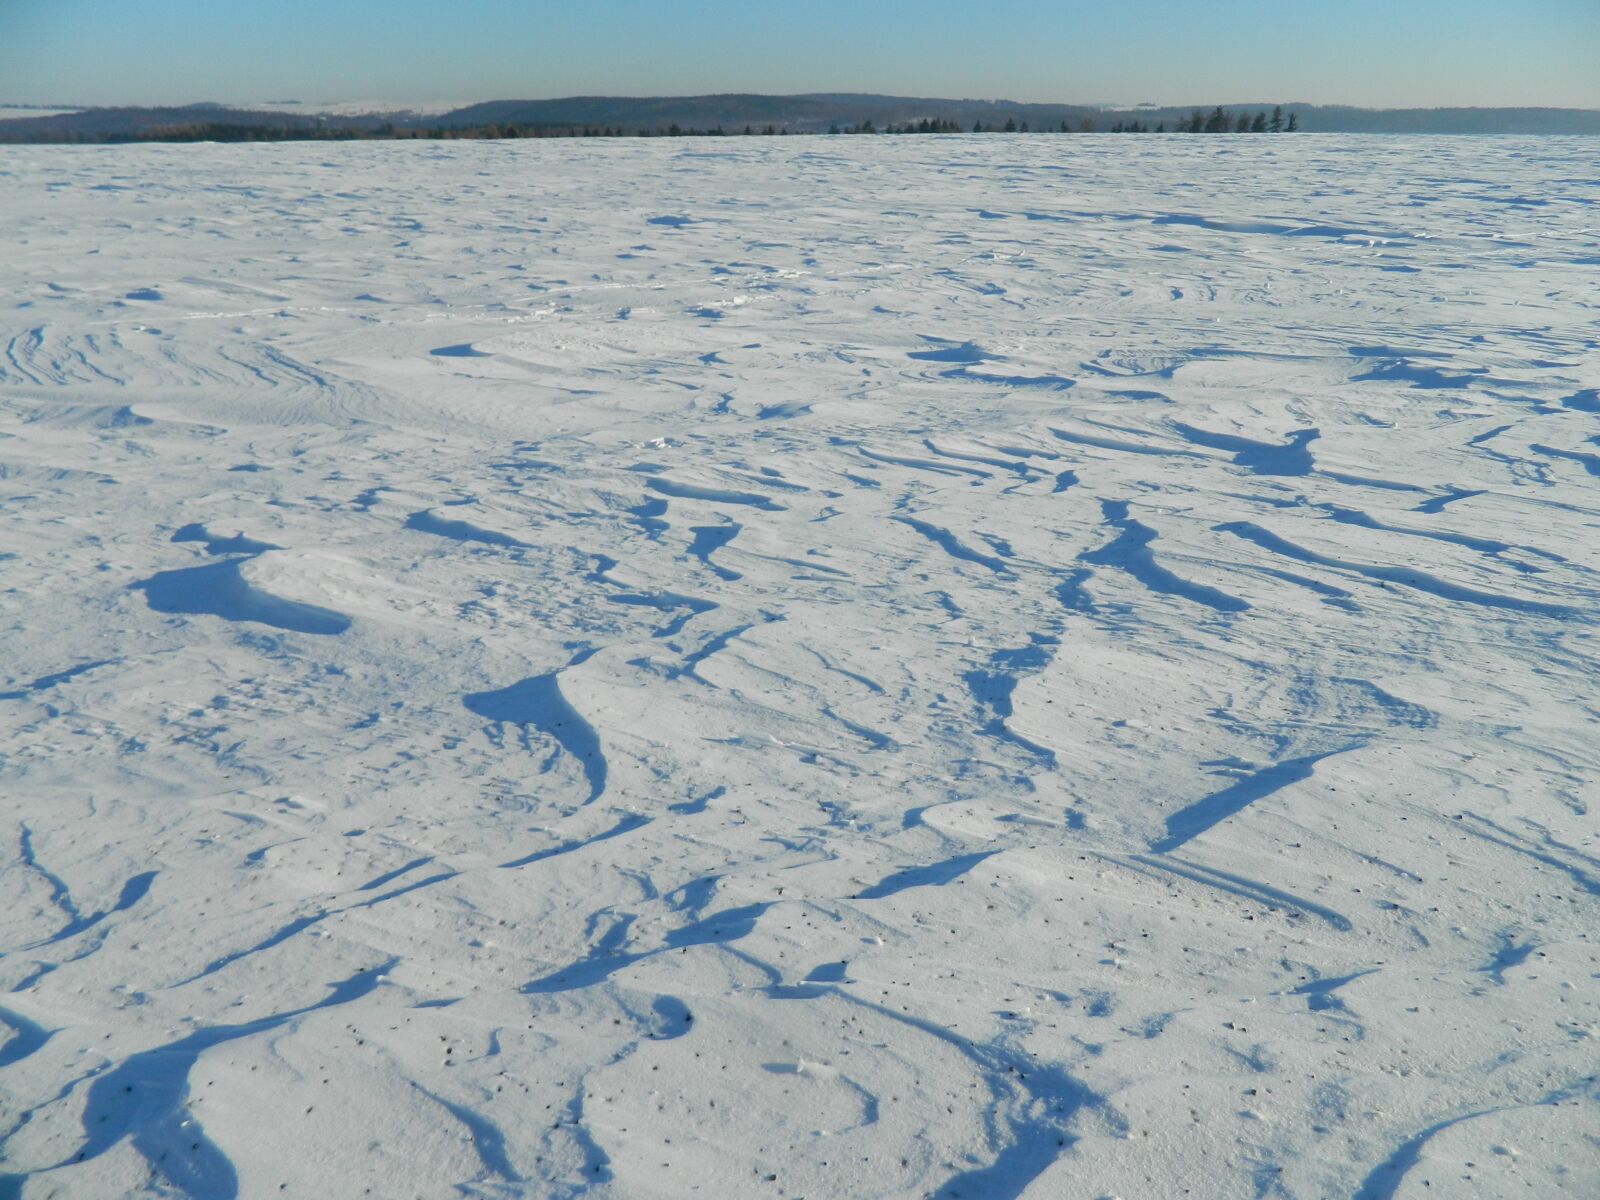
[[1004, 667]]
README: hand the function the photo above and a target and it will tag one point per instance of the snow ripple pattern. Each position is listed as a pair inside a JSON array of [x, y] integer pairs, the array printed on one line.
[[1000, 667]]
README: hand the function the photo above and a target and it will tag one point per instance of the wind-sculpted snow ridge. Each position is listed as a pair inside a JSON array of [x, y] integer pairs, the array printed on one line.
[[945, 667]]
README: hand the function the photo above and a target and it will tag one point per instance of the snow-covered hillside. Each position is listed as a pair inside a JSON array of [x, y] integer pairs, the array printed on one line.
[[832, 667]]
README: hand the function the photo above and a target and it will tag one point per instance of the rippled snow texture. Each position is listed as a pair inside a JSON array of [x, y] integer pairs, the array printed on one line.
[[828, 667]]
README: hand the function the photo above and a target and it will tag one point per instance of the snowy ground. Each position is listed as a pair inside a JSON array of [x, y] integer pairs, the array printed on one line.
[[1047, 667]]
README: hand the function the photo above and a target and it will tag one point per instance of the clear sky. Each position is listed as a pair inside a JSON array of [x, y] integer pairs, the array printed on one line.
[[1369, 52]]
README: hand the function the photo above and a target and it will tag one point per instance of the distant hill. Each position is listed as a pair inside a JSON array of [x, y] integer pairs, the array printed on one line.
[[732, 113], [1340, 119], [136, 124], [818, 112]]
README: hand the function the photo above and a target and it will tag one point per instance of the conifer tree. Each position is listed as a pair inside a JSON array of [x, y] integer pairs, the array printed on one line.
[[1276, 124], [1259, 125], [1294, 124]]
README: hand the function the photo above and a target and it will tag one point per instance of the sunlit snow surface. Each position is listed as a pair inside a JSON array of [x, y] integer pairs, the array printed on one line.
[[986, 667]]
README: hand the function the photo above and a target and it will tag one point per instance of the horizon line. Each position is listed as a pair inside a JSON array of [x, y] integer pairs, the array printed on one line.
[[397, 106]]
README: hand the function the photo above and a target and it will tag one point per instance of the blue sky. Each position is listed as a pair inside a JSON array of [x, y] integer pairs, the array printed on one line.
[[1374, 52]]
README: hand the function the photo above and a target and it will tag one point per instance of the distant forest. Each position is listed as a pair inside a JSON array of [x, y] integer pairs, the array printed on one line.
[[1220, 120], [761, 116]]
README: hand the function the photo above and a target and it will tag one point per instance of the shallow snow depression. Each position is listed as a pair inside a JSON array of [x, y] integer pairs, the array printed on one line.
[[986, 667]]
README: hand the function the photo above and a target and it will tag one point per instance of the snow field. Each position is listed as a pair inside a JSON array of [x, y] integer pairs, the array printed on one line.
[[1004, 667]]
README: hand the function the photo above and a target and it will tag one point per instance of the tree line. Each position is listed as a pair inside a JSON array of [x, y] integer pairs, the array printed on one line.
[[1219, 120]]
